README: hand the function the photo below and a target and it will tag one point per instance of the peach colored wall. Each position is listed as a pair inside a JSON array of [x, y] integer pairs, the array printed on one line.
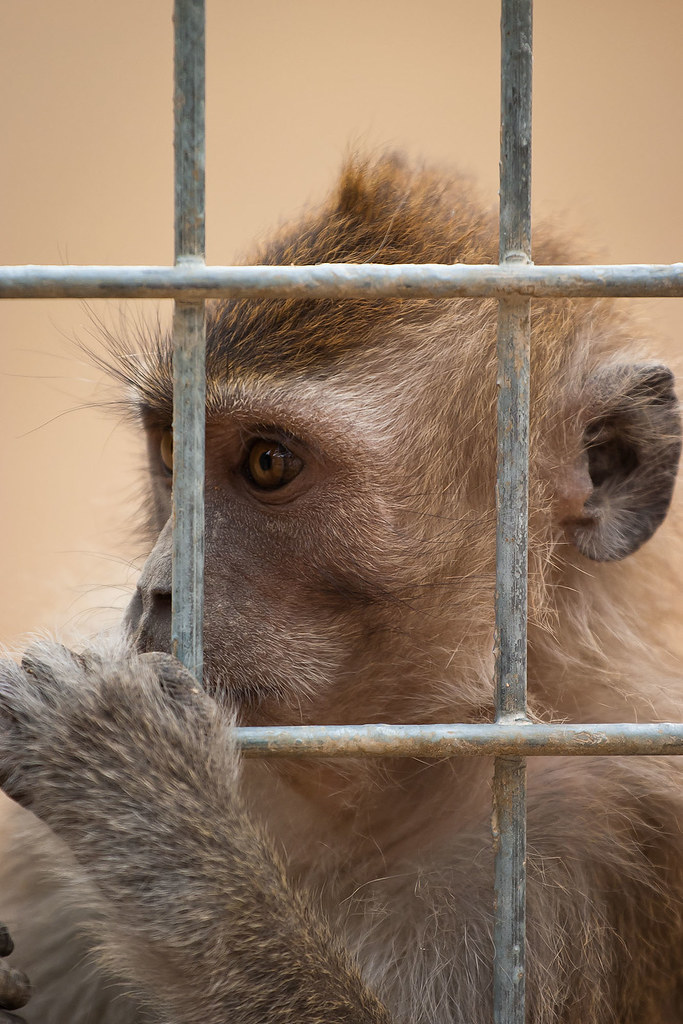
[[86, 177]]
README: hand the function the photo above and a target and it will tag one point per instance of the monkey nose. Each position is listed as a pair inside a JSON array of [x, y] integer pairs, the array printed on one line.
[[133, 613], [147, 619]]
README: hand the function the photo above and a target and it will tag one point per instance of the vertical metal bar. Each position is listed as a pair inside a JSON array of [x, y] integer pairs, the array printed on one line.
[[189, 376], [509, 782]]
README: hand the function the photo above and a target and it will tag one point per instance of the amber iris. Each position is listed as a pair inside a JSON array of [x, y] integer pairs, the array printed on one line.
[[269, 465], [166, 450]]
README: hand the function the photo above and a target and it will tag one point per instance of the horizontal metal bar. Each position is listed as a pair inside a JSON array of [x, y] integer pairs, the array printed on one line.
[[460, 740], [341, 280]]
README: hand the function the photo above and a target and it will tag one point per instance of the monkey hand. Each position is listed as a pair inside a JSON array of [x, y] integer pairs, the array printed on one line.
[[90, 742], [133, 766]]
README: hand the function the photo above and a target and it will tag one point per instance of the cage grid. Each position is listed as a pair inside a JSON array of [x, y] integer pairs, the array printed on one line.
[[514, 282]]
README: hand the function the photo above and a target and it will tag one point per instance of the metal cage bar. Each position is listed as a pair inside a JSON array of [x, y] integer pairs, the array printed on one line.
[[193, 281], [512, 488], [189, 375], [471, 740]]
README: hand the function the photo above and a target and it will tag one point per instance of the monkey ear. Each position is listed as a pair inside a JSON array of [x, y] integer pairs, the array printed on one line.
[[621, 489]]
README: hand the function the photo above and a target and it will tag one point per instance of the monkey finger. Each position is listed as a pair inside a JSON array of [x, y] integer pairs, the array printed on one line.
[[33, 662], [43, 660], [10, 1018], [175, 680], [15, 988]]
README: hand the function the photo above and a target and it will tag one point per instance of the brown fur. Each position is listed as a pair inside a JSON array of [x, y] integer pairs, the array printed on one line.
[[367, 596]]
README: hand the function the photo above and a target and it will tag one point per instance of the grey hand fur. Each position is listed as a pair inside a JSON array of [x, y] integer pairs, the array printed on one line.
[[133, 768]]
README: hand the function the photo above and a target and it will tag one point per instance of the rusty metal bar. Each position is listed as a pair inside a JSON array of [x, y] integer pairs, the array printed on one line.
[[189, 377], [509, 778], [624, 739], [193, 281]]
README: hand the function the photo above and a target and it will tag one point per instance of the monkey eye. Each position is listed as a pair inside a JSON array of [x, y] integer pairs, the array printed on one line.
[[166, 451], [269, 465]]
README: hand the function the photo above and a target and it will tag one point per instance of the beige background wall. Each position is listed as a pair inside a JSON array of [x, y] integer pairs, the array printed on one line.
[[85, 177]]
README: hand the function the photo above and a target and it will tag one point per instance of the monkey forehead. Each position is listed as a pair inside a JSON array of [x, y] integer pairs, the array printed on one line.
[[315, 339], [342, 407], [358, 361]]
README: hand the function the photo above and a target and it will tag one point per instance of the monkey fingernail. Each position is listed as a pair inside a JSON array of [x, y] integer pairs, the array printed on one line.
[[15, 988], [175, 680], [39, 660]]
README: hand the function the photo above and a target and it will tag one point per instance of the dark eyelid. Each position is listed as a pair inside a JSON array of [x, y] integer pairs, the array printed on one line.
[[269, 432], [276, 435]]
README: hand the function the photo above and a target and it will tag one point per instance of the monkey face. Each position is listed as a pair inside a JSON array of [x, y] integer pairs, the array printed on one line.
[[350, 536], [302, 550]]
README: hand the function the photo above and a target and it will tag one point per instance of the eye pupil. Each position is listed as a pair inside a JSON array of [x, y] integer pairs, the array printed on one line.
[[269, 465]]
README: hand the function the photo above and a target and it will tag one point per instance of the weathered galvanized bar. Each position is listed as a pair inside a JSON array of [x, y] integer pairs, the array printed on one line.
[[194, 281], [508, 738], [189, 383], [512, 479]]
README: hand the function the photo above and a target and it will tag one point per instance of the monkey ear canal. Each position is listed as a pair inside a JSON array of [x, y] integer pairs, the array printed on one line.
[[632, 444]]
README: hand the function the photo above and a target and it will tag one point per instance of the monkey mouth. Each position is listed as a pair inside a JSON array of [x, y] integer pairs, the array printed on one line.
[[237, 696], [240, 698]]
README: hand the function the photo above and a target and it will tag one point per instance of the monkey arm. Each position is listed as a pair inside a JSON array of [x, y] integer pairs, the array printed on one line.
[[133, 767]]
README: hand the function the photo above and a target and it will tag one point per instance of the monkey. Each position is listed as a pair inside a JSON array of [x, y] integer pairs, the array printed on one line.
[[153, 874]]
